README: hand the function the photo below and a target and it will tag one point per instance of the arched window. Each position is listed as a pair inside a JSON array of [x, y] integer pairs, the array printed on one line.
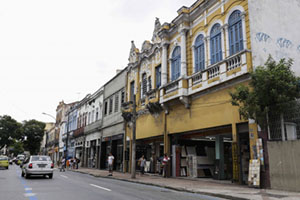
[[175, 63], [215, 44], [199, 54], [235, 32]]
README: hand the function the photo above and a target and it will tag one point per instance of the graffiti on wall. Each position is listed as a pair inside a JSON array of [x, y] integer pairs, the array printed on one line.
[[284, 45], [263, 37]]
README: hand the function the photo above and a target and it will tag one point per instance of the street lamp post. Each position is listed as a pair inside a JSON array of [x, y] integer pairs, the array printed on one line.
[[49, 116]]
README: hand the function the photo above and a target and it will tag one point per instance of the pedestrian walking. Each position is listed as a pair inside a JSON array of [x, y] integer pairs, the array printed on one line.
[[62, 165], [71, 163], [77, 162], [165, 165], [142, 162], [110, 164]]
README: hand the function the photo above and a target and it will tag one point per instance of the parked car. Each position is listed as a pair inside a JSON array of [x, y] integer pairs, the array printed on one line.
[[37, 165], [4, 162]]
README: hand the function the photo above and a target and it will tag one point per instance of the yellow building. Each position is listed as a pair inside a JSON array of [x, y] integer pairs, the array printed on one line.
[[182, 80]]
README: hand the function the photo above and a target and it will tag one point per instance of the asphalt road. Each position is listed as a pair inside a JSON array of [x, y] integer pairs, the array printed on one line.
[[75, 186]]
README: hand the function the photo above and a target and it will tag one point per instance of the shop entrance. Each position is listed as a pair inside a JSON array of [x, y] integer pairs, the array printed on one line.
[[207, 154], [152, 149], [244, 152]]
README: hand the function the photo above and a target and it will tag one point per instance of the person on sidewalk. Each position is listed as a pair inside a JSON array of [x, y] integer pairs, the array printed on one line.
[[110, 164], [142, 162], [77, 162], [165, 164], [62, 165]]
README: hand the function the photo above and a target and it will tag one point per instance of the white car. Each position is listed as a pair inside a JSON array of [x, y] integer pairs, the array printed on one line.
[[37, 165]]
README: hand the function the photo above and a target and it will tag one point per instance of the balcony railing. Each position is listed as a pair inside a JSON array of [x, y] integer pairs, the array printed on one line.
[[151, 94], [233, 62], [78, 132], [213, 72], [219, 69], [197, 78], [171, 86], [93, 126]]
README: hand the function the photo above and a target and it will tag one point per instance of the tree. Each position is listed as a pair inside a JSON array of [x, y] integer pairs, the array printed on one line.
[[34, 131], [9, 130], [273, 85], [16, 148]]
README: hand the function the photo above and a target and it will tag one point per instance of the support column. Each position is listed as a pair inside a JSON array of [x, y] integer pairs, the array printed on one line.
[[164, 63], [235, 159], [207, 42], [220, 157], [243, 15], [222, 42], [183, 53], [227, 39], [166, 137]]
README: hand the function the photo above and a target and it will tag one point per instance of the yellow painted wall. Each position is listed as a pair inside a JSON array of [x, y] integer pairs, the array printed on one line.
[[210, 110], [148, 126]]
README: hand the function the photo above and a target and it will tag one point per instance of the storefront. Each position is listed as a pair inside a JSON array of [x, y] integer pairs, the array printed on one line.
[[209, 153], [153, 150], [114, 145], [79, 148]]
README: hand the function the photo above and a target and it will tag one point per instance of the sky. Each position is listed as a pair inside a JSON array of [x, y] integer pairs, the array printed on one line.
[[64, 49]]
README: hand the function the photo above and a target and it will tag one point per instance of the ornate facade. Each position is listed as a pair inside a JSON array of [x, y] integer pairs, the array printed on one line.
[[182, 80]]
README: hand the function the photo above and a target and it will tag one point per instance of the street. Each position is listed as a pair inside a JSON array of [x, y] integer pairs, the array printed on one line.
[[77, 186]]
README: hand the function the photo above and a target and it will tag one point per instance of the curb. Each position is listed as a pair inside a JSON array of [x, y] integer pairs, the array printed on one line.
[[165, 186]]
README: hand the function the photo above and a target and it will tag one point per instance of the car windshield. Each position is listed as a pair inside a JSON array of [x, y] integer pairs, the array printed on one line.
[[40, 158], [3, 158]]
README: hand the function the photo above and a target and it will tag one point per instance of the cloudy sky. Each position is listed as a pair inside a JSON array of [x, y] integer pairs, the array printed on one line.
[[64, 49]]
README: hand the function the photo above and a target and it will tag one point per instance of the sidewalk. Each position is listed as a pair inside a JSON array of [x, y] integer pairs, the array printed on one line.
[[209, 187]]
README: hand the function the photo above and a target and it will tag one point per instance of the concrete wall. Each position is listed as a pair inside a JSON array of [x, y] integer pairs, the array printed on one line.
[[284, 158], [275, 29]]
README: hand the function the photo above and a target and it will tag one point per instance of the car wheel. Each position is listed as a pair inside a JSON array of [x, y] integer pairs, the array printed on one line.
[[50, 176], [27, 176], [7, 167]]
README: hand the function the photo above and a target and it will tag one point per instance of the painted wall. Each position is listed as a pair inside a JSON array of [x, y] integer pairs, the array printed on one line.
[[284, 158], [149, 126], [275, 29], [210, 110]]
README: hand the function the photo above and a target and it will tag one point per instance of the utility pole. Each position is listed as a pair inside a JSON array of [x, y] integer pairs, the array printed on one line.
[[66, 156], [133, 139]]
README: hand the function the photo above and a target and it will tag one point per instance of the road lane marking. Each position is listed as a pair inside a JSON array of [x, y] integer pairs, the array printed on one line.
[[64, 176], [97, 186], [27, 189], [29, 194]]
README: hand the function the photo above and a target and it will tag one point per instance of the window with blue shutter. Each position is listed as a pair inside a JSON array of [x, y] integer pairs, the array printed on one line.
[[199, 54], [235, 32], [215, 44], [175, 65]]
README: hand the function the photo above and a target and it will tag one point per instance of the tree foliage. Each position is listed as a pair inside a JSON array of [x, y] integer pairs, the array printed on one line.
[[16, 148], [273, 86], [34, 131], [9, 130]]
